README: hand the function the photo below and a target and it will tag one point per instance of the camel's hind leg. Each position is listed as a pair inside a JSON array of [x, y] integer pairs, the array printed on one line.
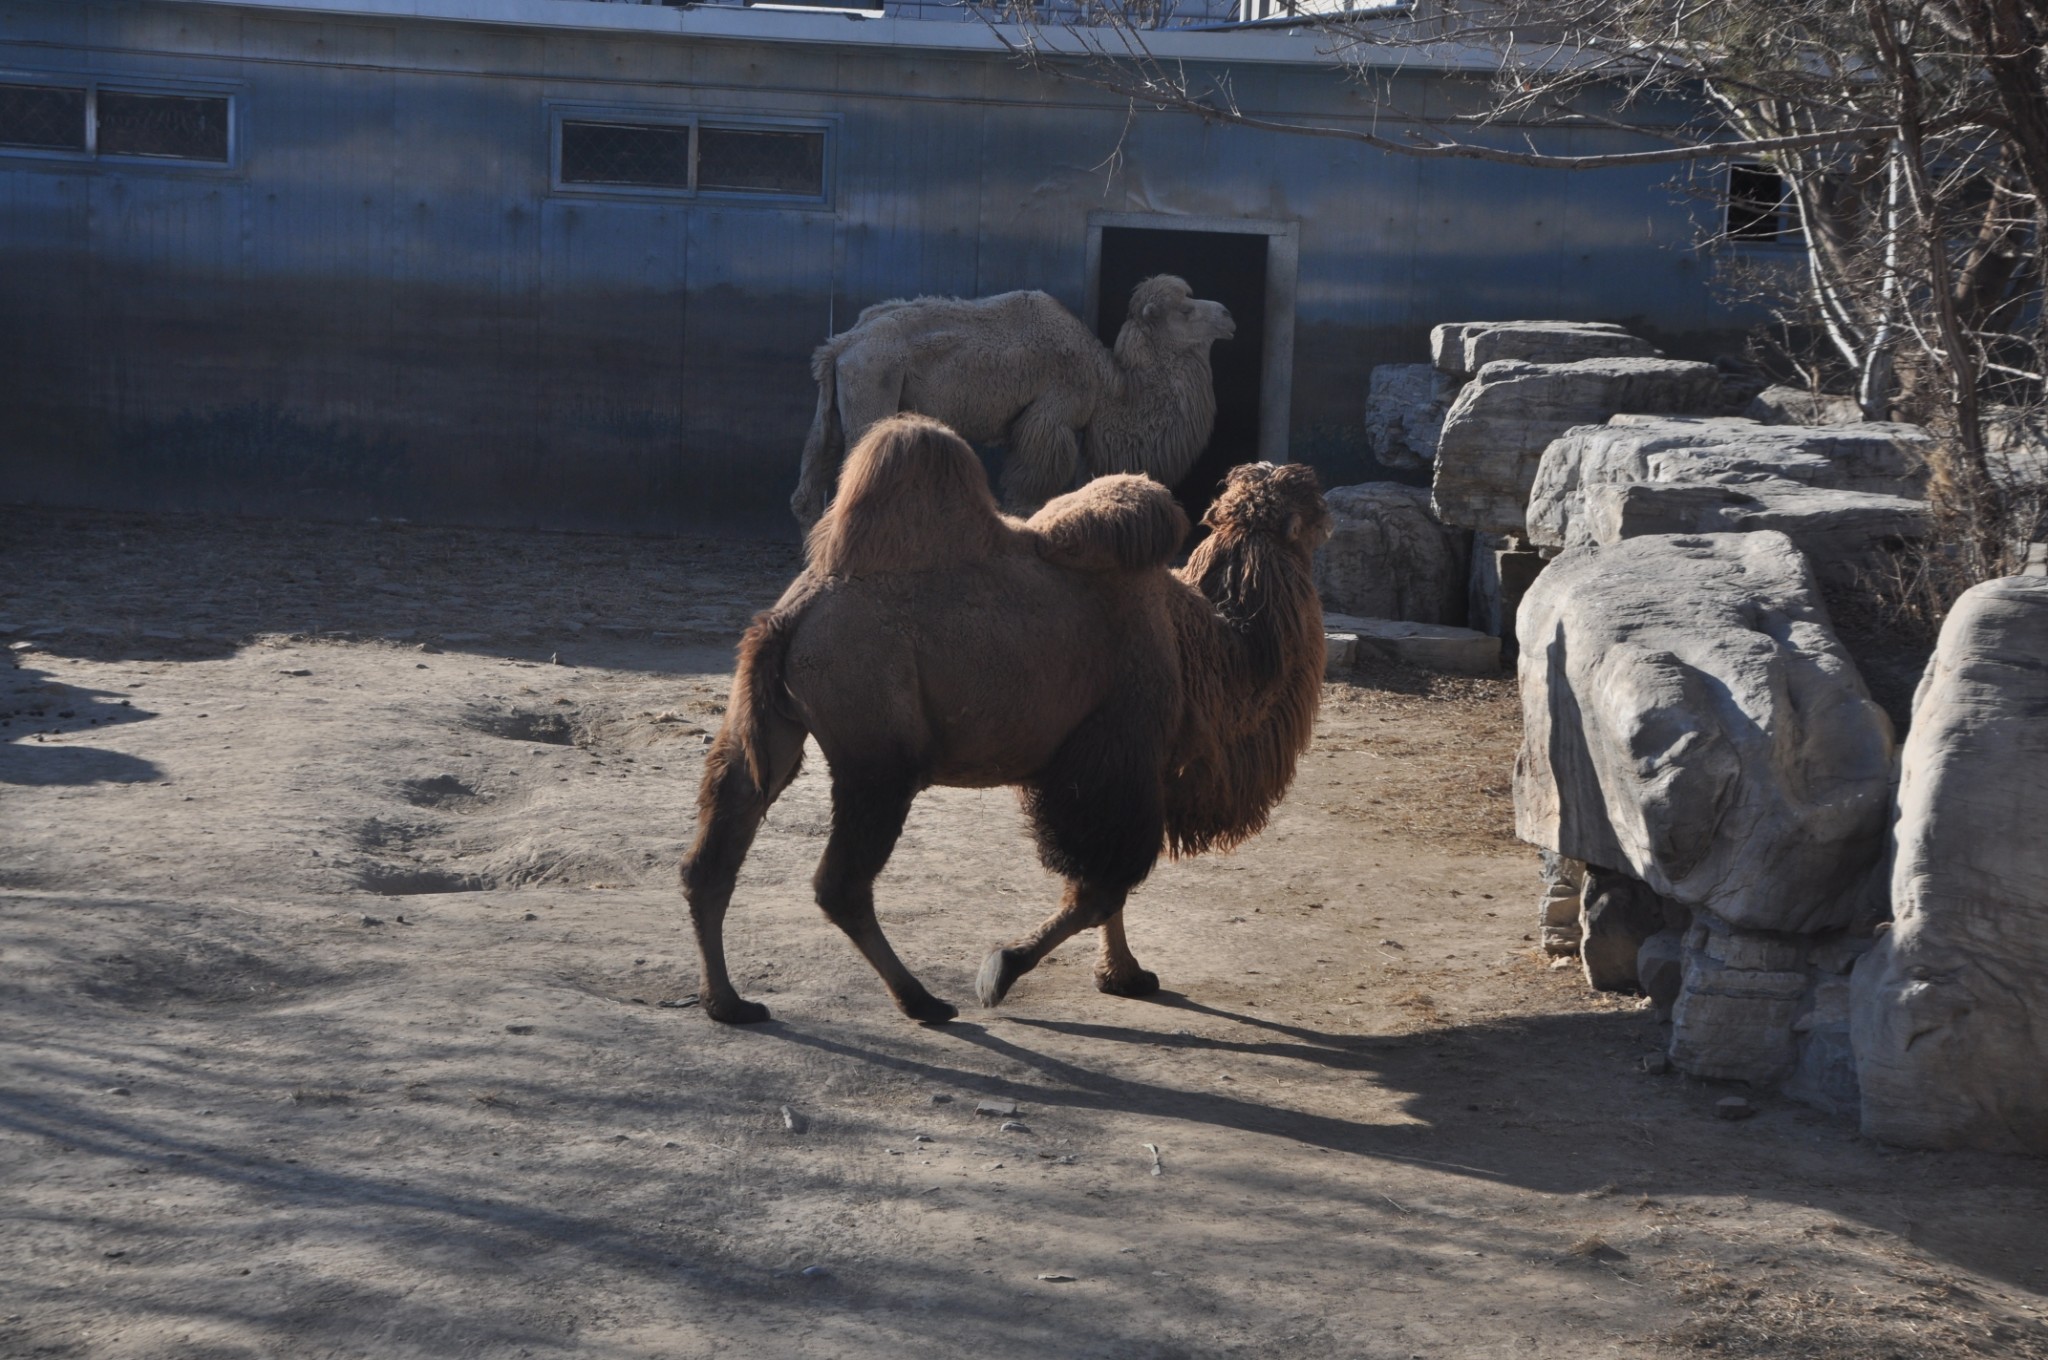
[[868, 809], [730, 807]]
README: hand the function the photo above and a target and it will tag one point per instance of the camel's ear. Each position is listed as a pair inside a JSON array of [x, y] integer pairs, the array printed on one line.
[[1294, 526], [1151, 310]]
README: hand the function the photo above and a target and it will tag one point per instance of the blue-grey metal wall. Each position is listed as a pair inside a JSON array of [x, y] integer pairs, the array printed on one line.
[[383, 307]]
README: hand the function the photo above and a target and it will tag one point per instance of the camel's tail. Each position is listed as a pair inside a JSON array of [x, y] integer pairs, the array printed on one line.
[[758, 713]]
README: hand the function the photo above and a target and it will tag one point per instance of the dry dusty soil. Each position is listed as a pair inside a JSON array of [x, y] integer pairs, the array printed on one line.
[[346, 1010]]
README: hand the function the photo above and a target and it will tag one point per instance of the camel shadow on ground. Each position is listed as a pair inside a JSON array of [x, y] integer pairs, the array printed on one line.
[[1551, 1103]]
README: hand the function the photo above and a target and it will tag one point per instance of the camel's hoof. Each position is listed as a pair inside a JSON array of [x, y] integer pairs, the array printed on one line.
[[999, 971], [929, 1010], [736, 1012], [1137, 982]]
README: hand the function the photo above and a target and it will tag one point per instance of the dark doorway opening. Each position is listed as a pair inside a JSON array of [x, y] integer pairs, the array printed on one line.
[[1227, 267]]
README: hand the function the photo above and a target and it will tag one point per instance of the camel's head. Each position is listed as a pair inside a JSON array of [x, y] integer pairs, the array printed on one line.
[[1282, 502], [1168, 311]]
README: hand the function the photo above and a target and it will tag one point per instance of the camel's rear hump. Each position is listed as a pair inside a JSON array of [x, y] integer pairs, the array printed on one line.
[[913, 497]]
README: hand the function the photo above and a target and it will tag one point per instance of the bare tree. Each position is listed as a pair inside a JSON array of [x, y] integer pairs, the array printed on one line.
[[1910, 138]]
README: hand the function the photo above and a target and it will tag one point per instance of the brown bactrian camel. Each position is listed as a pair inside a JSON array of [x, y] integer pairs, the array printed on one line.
[[1020, 370], [933, 640]]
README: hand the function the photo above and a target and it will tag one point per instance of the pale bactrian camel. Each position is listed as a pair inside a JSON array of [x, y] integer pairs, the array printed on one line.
[[1020, 370]]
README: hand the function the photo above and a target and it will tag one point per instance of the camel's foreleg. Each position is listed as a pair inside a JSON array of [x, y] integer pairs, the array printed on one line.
[[1086, 904], [1099, 814], [730, 806], [1116, 969], [868, 809]]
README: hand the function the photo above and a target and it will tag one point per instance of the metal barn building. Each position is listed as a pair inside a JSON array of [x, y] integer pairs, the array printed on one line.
[[561, 263]]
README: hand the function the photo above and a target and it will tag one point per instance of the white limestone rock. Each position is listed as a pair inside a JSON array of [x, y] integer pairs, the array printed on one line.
[[1425, 646], [1462, 348], [1690, 718], [1847, 535], [1880, 459], [1340, 654], [1618, 914], [1404, 413], [1797, 406], [1496, 432], [1741, 995], [1950, 1009], [1388, 557]]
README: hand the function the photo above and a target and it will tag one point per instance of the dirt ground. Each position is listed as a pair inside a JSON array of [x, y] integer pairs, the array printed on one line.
[[346, 1010]]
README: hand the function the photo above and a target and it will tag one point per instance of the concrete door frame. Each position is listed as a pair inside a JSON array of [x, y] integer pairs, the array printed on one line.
[[1283, 267]]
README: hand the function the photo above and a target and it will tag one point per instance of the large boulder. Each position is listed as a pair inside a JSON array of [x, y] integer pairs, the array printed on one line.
[[1404, 413], [1848, 535], [1690, 719], [1881, 459], [1388, 557], [1844, 494], [1495, 433], [1462, 348], [1950, 1009]]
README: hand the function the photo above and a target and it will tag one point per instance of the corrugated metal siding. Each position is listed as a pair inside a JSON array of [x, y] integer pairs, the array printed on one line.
[[384, 308]]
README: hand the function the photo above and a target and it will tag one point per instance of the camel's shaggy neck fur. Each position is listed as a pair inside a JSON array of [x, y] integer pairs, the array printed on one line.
[[1251, 664], [1157, 412]]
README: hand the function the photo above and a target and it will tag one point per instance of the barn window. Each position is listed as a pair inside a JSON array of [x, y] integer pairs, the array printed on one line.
[[761, 161], [179, 127], [90, 120], [1757, 205], [42, 117], [656, 155], [676, 152]]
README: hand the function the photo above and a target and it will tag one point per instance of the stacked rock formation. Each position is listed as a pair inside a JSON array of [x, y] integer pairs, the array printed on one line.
[[1691, 723], [1702, 766]]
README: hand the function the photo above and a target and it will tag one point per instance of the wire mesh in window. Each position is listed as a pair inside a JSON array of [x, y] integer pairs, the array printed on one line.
[[746, 160], [180, 127], [656, 154], [1756, 204], [47, 118]]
